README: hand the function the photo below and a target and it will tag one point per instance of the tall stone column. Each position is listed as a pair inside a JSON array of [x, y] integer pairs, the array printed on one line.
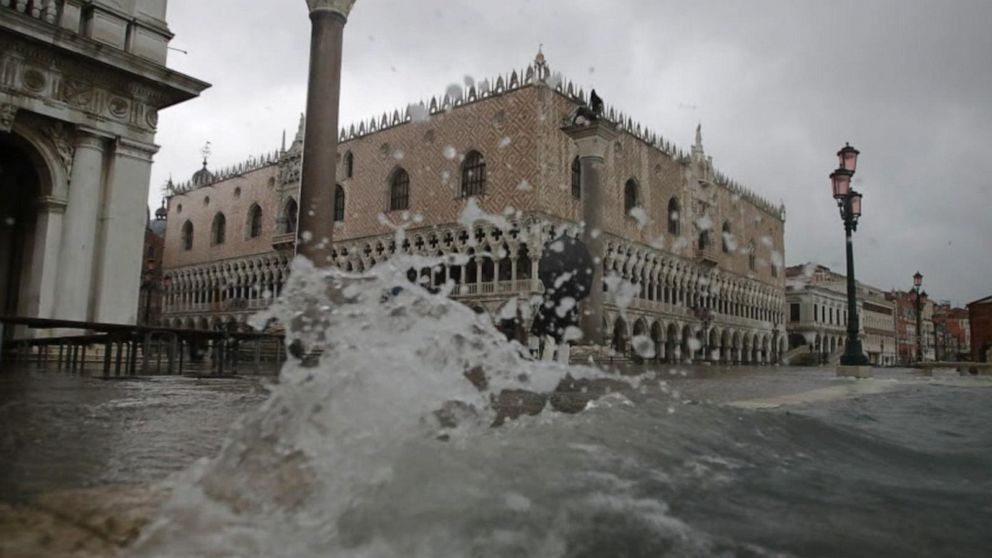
[[593, 139], [75, 281], [315, 230], [120, 246], [45, 268]]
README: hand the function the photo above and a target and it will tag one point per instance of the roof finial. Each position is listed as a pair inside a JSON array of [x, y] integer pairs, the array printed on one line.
[[699, 134], [206, 153], [283, 150]]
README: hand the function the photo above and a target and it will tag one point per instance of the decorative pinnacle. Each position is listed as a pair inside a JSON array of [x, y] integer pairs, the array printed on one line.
[[206, 153], [341, 7]]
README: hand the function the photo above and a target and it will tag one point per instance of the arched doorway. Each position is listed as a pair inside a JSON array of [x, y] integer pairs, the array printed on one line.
[[658, 337], [673, 351], [20, 190], [640, 329], [620, 336]]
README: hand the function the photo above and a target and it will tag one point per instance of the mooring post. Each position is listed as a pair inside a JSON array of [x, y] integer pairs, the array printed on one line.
[[119, 357], [145, 356], [106, 357], [182, 350]]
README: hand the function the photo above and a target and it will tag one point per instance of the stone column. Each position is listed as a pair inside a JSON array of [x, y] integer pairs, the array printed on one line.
[[45, 268], [121, 237], [75, 282], [593, 140], [315, 228]]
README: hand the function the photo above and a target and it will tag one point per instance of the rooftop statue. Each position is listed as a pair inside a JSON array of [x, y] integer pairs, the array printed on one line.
[[590, 112]]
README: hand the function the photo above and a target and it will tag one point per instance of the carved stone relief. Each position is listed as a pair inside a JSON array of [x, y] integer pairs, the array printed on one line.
[[61, 136], [7, 114]]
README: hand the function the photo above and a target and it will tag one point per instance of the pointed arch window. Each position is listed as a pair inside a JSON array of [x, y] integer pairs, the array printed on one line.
[[576, 178], [218, 231], [752, 257], [727, 237], [290, 214], [339, 201], [349, 165], [473, 174], [187, 236], [399, 190], [631, 196], [674, 217], [704, 239], [255, 221]]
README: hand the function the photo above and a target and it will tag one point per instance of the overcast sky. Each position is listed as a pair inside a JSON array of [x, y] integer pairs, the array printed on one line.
[[779, 86]]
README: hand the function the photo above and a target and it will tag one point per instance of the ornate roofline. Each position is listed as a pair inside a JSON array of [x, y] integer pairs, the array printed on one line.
[[250, 164], [538, 73]]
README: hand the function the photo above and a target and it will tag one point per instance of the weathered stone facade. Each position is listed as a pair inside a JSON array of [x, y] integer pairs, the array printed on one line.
[[81, 84], [696, 283], [817, 318]]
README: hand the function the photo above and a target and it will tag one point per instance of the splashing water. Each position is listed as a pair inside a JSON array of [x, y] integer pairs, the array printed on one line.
[[300, 477], [383, 448]]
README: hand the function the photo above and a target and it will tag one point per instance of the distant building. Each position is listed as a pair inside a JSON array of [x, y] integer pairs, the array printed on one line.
[[81, 86], [705, 252], [906, 327], [952, 333], [980, 322], [816, 298], [150, 301]]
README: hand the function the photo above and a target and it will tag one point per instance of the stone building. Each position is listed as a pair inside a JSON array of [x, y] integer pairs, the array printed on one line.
[[952, 333], [817, 302], [980, 322], [150, 295], [81, 87], [908, 340], [704, 253]]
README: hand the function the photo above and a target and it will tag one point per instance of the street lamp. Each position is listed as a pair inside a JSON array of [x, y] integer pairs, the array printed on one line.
[[920, 298], [849, 202]]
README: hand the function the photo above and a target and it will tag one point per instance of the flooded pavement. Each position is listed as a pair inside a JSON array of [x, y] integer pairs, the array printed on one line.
[[64, 431], [731, 461]]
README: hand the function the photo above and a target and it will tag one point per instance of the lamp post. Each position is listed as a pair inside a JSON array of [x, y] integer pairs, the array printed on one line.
[[920, 298], [849, 202]]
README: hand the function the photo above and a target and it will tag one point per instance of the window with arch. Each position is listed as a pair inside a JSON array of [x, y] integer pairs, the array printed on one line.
[[752, 257], [704, 239], [674, 217], [577, 179], [218, 231], [399, 190], [349, 165], [188, 235], [255, 221], [473, 174], [727, 237], [290, 214], [339, 201], [631, 196]]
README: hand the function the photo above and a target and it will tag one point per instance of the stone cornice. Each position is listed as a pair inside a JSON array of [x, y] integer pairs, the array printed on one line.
[[170, 87], [339, 7]]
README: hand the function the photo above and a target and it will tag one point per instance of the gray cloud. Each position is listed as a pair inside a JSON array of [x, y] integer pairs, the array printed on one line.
[[778, 85]]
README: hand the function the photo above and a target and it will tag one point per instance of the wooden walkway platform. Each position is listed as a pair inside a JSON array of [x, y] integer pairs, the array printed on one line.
[[128, 350]]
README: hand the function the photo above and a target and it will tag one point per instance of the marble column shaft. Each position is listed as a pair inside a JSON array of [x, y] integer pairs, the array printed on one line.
[[319, 173], [80, 229]]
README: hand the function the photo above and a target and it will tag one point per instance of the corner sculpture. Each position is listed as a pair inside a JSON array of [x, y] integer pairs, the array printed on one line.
[[589, 112]]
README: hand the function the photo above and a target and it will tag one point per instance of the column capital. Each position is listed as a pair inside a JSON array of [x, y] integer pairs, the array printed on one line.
[[51, 204], [338, 7], [592, 138]]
